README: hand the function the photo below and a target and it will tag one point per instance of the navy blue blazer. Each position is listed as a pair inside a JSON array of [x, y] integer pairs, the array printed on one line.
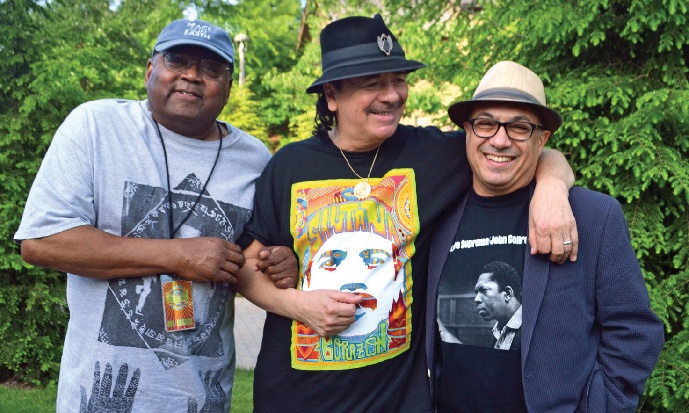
[[589, 337]]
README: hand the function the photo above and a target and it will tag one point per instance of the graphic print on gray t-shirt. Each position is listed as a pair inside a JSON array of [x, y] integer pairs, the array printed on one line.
[[133, 315]]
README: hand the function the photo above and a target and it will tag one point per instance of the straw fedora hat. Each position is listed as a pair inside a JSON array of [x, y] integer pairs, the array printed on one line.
[[508, 82], [359, 46]]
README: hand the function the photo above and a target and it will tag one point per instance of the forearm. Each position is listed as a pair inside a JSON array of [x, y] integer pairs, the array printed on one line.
[[90, 252], [260, 290], [327, 312], [553, 166]]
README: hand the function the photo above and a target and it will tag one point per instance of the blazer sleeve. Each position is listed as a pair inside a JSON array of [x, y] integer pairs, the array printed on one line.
[[631, 334]]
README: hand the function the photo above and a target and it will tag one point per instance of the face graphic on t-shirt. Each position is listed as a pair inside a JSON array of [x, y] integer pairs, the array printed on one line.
[[361, 263], [489, 300]]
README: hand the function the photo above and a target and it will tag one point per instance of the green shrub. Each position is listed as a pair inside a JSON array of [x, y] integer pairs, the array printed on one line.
[[33, 325]]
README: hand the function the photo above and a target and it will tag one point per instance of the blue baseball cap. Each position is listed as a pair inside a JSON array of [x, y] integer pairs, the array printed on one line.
[[197, 33]]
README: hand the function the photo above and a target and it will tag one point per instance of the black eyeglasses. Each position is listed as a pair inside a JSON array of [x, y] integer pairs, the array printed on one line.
[[180, 63], [517, 130]]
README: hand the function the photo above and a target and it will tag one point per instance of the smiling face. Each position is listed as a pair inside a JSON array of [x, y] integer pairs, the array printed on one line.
[[361, 263], [502, 165], [368, 108], [186, 103]]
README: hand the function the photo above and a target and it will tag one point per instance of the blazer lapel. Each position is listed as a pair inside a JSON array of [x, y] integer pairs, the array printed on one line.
[[442, 239], [536, 271], [534, 281]]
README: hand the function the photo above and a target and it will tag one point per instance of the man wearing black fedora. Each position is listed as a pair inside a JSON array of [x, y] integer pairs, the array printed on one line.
[[585, 339], [358, 202]]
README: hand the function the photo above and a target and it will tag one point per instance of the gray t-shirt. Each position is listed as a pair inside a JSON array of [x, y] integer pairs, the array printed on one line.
[[106, 168]]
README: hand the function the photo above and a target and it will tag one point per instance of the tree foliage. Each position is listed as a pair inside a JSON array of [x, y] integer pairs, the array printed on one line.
[[617, 72], [615, 69], [271, 27]]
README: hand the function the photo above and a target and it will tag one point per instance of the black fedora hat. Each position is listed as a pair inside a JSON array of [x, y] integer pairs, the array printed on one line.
[[359, 46]]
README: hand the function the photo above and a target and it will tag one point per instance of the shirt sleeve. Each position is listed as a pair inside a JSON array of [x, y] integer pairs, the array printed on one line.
[[62, 195], [632, 335], [271, 205]]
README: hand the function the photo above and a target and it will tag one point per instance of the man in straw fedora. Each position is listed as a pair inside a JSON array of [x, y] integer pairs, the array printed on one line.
[[357, 202], [584, 338]]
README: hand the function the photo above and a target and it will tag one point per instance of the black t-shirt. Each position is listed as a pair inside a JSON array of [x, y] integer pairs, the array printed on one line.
[[305, 200], [480, 284]]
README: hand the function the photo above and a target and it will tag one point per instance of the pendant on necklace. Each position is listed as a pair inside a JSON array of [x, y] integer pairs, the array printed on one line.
[[362, 190]]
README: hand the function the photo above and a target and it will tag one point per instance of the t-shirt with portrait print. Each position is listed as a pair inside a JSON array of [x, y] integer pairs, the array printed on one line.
[[376, 246], [481, 284]]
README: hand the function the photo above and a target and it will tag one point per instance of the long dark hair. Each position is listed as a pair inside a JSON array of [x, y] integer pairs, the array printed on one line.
[[325, 118]]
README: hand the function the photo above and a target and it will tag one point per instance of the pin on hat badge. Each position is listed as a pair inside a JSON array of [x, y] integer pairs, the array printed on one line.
[[383, 41]]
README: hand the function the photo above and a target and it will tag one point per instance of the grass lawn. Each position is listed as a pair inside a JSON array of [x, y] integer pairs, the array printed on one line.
[[243, 391], [14, 399]]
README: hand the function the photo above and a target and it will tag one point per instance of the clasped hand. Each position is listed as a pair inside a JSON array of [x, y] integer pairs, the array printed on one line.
[[208, 259], [217, 260]]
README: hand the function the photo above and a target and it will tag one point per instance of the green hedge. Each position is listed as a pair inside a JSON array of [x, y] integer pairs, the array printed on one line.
[[617, 70]]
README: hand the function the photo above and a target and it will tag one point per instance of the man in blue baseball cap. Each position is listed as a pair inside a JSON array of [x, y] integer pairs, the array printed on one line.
[[142, 203]]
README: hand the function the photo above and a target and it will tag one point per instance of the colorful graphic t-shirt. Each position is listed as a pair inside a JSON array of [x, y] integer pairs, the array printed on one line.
[[361, 246], [375, 246], [106, 168], [479, 310]]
